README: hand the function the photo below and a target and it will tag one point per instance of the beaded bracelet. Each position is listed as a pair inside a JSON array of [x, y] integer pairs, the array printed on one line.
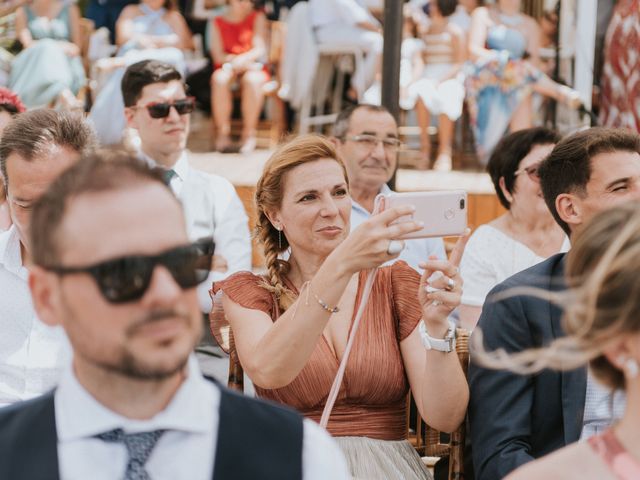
[[322, 303]]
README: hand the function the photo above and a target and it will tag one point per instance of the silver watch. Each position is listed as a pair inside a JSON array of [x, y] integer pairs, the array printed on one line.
[[446, 344]]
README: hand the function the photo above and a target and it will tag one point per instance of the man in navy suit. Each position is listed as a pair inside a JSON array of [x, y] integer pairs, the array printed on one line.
[[114, 266], [515, 419]]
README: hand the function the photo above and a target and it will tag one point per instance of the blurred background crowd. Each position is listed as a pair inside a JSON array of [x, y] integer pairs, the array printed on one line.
[[261, 69]]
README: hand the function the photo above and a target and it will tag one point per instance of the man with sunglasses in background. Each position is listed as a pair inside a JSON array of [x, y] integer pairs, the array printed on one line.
[[114, 266], [157, 106], [366, 137], [517, 418], [35, 148]]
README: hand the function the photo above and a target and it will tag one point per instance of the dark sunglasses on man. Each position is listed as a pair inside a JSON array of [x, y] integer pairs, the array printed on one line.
[[126, 279], [162, 109]]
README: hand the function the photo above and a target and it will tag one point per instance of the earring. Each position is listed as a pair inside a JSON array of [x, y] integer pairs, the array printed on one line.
[[629, 366], [279, 238]]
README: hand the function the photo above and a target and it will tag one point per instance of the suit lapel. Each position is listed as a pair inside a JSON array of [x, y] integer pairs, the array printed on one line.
[[574, 382], [36, 442], [48, 438]]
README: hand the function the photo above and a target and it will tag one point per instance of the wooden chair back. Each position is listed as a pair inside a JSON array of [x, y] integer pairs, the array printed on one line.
[[430, 442]]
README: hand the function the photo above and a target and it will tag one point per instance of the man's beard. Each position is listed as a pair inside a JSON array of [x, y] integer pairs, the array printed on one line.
[[125, 362]]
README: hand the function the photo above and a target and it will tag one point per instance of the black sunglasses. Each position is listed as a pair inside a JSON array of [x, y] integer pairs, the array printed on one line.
[[126, 279], [162, 109]]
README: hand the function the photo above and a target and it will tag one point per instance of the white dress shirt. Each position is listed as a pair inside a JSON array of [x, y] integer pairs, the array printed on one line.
[[415, 251], [185, 451], [602, 408], [212, 208], [335, 12], [32, 354]]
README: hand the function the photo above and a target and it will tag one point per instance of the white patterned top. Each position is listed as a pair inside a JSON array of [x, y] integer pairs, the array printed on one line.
[[492, 256]]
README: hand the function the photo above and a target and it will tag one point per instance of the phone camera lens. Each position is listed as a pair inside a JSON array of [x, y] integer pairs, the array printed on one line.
[[462, 204]]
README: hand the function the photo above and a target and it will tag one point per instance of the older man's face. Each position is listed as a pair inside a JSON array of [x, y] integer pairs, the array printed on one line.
[[29, 179], [370, 163]]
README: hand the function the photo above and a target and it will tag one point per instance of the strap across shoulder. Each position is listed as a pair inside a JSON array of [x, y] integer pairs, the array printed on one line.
[[621, 463]]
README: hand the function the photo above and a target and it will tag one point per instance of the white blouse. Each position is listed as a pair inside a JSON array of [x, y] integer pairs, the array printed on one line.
[[491, 257]]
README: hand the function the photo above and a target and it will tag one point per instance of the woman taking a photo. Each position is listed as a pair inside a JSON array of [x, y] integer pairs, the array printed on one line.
[[290, 328]]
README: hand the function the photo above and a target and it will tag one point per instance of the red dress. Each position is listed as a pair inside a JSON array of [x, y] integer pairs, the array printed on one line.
[[237, 38], [620, 79]]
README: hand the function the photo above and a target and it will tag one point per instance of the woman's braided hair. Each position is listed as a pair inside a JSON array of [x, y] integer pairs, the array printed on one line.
[[269, 192]]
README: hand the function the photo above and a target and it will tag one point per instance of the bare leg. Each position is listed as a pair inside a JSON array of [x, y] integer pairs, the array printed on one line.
[[445, 139], [221, 105], [523, 116], [252, 101], [424, 120]]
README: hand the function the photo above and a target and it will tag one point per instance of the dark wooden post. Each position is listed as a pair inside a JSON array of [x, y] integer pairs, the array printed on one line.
[[391, 60]]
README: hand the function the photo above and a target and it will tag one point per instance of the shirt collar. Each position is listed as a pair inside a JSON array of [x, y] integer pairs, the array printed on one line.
[[384, 190], [191, 410], [181, 167], [10, 252]]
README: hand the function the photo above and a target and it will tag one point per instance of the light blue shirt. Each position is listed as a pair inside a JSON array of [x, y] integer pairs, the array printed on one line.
[[415, 251], [602, 408]]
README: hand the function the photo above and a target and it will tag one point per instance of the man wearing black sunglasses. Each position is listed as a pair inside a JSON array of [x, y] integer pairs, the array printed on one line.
[[157, 106], [114, 266], [35, 148]]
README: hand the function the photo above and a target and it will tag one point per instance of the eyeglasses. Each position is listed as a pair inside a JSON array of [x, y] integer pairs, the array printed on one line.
[[531, 171], [371, 141], [126, 279], [162, 109]]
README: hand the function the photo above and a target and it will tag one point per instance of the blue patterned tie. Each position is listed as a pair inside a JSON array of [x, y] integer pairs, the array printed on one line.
[[167, 175], [139, 447]]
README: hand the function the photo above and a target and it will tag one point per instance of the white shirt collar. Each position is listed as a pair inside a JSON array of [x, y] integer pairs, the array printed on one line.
[[79, 415], [384, 190], [10, 252], [181, 167]]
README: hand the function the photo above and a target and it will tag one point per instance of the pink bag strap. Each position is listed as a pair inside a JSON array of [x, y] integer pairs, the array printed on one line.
[[337, 382]]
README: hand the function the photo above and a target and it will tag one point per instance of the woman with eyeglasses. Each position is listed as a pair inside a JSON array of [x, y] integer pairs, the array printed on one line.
[[150, 30], [238, 50], [523, 236], [289, 327]]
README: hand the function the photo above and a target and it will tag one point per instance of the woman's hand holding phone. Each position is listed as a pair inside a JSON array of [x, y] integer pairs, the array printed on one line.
[[440, 289], [367, 246]]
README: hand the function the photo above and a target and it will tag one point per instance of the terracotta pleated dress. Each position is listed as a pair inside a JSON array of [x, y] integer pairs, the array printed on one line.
[[370, 413]]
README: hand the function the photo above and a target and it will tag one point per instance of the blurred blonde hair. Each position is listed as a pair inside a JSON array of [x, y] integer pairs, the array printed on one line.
[[269, 192], [601, 306]]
